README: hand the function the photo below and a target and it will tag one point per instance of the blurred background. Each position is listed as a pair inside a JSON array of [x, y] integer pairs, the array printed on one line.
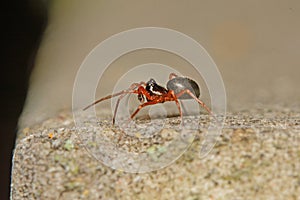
[[24, 22], [255, 45]]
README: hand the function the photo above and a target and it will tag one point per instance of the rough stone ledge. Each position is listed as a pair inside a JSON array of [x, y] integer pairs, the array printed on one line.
[[256, 157]]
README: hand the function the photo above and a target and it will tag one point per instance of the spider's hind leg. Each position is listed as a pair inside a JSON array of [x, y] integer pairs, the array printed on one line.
[[175, 98], [172, 75], [187, 91]]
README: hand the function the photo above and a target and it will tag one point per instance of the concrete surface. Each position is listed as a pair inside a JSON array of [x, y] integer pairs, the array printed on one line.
[[257, 156]]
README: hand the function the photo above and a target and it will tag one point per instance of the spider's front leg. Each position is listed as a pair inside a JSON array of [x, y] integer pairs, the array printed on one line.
[[150, 98], [132, 89], [143, 105]]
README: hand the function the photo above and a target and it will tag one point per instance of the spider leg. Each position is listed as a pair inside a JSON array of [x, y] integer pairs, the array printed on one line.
[[177, 104], [172, 75], [116, 94], [131, 90], [194, 97], [116, 107], [143, 105], [105, 98]]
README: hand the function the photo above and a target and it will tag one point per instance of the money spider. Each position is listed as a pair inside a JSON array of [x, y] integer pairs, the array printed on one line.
[[151, 93]]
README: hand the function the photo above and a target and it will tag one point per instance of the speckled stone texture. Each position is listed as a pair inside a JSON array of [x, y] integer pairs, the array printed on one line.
[[257, 156]]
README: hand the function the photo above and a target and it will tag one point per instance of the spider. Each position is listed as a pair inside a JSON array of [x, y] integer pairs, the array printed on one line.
[[151, 93]]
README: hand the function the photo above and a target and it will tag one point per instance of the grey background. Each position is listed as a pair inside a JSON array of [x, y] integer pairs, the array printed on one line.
[[255, 45]]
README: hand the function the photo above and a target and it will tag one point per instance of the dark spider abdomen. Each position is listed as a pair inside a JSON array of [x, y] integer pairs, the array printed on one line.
[[180, 83]]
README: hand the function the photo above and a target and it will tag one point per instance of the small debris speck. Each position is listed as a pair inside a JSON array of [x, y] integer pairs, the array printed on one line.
[[69, 145]]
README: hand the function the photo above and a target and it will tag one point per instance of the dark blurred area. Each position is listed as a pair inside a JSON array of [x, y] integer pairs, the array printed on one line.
[[24, 23]]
